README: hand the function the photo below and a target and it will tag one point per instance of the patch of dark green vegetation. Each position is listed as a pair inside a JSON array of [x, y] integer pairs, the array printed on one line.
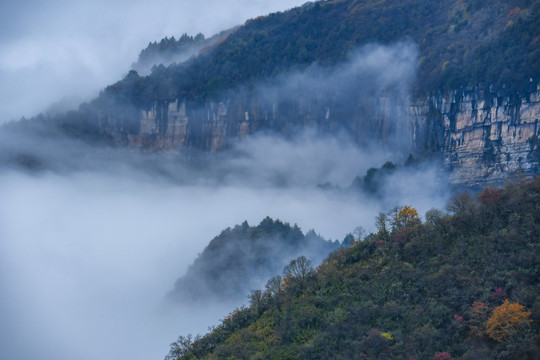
[[243, 257]]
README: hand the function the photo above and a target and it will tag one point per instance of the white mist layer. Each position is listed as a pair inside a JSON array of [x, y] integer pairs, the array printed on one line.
[[86, 259]]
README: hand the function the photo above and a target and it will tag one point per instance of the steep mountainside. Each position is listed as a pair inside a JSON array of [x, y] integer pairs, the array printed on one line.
[[457, 79], [461, 42], [464, 285]]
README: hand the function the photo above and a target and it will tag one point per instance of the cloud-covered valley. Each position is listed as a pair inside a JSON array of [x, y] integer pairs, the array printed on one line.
[[93, 238], [88, 255]]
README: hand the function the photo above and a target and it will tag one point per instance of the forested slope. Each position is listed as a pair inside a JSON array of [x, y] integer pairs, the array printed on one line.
[[460, 43], [244, 257], [463, 285]]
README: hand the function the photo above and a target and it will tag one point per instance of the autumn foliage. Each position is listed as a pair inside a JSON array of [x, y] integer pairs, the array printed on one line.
[[489, 195], [506, 318], [406, 217]]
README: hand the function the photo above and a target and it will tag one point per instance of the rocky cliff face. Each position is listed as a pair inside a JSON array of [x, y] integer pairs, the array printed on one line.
[[211, 126], [484, 136]]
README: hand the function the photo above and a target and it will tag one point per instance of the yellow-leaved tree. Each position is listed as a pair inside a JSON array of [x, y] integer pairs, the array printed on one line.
[[405, 217], [505, 319]]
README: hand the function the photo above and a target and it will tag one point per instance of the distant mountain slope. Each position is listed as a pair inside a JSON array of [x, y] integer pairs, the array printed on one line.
[[245, 257], [462, 286], [461, 42], [322, 66]]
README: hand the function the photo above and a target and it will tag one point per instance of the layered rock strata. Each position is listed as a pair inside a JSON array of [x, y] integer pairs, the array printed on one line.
[[484, 136]]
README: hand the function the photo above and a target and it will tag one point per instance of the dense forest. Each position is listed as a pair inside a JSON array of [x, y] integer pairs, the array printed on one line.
[[464, 284], [243, 257], [171, 50], [460, 43]]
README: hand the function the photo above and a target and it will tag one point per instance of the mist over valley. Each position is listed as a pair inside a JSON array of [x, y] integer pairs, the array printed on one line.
[[153, 191]]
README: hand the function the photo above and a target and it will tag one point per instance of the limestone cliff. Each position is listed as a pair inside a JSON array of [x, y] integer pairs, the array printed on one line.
[[212, 125], [484, 136]]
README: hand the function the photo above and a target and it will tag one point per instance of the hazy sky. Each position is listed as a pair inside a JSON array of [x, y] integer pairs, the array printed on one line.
[[66, 50]]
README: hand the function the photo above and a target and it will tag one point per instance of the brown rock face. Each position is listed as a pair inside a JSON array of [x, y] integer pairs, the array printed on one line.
[[484, 136]]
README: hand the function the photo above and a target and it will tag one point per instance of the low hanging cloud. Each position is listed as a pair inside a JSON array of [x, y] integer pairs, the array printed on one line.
[[87, 256], [87, 259], [367, 96]]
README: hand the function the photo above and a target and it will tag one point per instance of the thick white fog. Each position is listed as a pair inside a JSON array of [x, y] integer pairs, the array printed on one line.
[[62, 51], [87, 257]]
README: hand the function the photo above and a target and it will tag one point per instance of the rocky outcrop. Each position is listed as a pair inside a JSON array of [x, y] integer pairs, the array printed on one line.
[[484, 136]]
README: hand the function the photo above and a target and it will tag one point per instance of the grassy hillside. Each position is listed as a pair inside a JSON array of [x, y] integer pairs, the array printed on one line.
[[462, 285]]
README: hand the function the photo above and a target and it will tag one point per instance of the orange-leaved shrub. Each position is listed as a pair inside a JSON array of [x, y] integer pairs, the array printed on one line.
[[506, 318]]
